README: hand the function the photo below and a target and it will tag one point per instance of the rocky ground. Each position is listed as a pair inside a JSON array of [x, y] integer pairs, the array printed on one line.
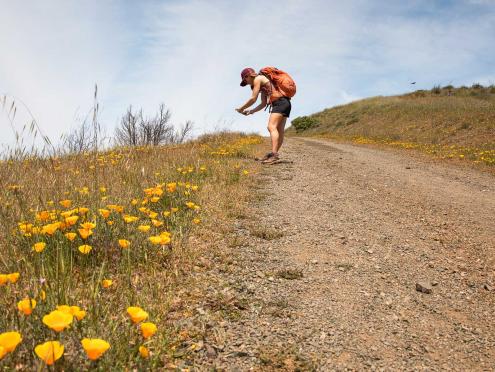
[[354, 258]]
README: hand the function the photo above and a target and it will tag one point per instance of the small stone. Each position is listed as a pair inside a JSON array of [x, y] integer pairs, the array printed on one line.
[[424, 287], [241, 353], [434, 283], [314, 262], [488, 287], [210, 352]]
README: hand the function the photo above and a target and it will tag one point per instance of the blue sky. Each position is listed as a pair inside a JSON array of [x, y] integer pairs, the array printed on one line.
[[188, 54]]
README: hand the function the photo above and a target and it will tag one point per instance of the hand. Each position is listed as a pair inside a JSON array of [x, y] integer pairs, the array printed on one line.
[[247, 112]]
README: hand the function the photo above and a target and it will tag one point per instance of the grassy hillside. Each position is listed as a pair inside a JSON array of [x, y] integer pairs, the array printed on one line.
[[100, 241], [461, 118]]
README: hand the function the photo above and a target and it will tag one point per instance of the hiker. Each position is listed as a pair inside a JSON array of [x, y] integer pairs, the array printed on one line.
[[276, 88]]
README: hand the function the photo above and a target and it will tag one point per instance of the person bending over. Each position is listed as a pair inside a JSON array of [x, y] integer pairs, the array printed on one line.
[[276, 88]]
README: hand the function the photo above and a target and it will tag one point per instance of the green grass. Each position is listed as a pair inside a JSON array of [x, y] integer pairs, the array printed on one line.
[[461, 117], [114, 194]]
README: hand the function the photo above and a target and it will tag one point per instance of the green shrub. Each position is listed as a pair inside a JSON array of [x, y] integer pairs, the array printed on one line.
[[304, 122]]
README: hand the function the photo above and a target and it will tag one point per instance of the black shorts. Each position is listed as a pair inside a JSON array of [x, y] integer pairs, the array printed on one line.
[[281, 106]]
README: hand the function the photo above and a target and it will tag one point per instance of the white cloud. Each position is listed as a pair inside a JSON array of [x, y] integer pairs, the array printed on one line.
[[188, 54]]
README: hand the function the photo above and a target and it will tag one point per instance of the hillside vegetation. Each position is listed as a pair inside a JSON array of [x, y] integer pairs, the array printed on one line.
[[95, 244], [453, 122]]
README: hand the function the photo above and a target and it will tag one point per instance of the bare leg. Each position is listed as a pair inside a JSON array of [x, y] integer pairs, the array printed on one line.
[[281, 132], [274, 122]]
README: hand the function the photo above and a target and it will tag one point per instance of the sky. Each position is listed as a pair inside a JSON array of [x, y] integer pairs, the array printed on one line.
[[188, 54]]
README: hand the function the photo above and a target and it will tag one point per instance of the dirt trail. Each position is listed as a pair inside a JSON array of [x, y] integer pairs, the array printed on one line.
[[362, 226]]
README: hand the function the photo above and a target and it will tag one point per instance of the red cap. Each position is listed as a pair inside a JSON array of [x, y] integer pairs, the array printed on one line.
[[248, 71]]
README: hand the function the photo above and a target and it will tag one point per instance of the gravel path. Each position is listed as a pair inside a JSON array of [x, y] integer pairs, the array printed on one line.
[[327, 275]]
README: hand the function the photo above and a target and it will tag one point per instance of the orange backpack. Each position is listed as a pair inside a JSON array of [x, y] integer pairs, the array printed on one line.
[[283, 84]]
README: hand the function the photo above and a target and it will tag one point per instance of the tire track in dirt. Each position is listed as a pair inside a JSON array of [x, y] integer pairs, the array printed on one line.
[[362, 226]]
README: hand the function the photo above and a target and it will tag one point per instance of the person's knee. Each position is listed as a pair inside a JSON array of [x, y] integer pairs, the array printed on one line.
[[272, 128]]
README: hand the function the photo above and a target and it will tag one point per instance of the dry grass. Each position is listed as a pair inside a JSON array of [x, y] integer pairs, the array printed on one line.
[[173, 190], [456, 123], [266, 233]]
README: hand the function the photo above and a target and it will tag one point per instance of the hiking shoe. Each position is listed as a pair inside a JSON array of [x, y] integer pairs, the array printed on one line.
[[272, 159], [266, 157]]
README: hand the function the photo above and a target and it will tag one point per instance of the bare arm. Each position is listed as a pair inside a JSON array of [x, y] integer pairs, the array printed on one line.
[[261, 106], [254, 96]]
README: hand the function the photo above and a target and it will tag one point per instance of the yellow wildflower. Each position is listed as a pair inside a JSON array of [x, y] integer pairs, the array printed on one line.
[[144, 228], [71, 236], [26, 306], [51, 228], [66, 214], [88, 225], [71, 221], [43, 216], [130, 219], [144, 352], [85, 249], [105, 213], [66, 203], [58, 320], [83, 210], [123, 243], [13, 277], [148, 329], [85, 233], [94, 347], [116, 208], [77, 312], [137, 314], [49, 352], [157, 223], [39, 247], [9, 341], [162, 239], [106, 283]]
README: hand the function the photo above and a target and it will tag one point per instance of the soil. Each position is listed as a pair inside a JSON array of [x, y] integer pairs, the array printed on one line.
[[354, 258]]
